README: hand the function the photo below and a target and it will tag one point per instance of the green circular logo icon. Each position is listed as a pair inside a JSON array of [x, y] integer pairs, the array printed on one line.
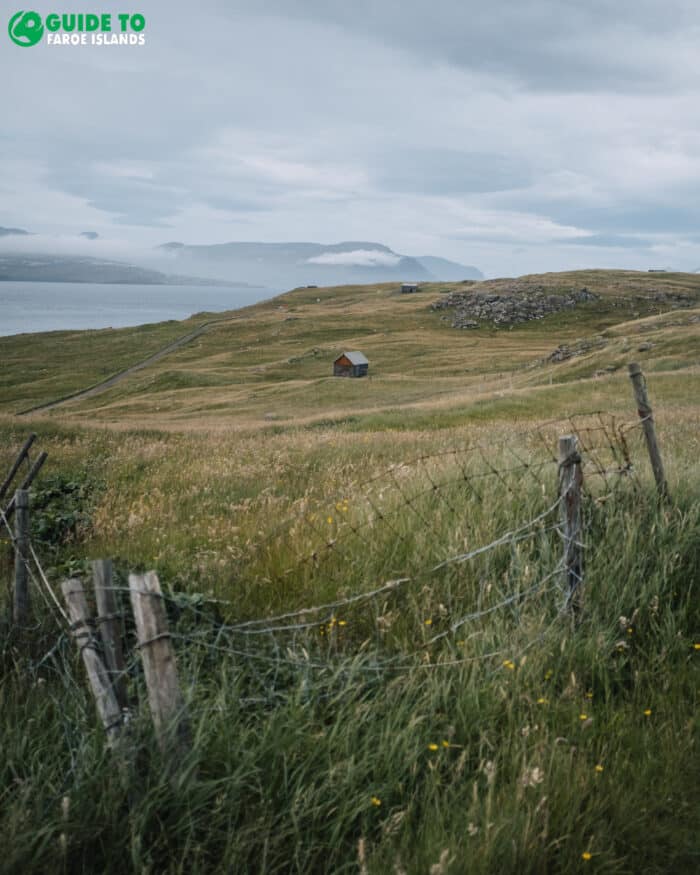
[[25, 28]]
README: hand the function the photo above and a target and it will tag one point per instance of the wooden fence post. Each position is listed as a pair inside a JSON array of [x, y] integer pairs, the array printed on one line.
[[100, 684], [570, 482], [7, 482], [645, 414], [164, 697], [109, 627], [20, 608], [27, 482]]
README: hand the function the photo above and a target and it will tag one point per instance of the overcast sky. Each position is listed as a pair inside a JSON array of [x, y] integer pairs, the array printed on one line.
[[516, 136]]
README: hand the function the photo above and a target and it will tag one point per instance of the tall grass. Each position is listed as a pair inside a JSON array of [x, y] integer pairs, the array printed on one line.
[[522, 743]]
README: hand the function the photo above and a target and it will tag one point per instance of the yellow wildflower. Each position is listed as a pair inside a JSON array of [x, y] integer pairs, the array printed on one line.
[[432, 746], [696, 646], [599, 768], [330, 520], [647, 712], [428, 622], [586, 855], [542, 701], [445, 743], [376, 801], [583, 716], [509, 664]]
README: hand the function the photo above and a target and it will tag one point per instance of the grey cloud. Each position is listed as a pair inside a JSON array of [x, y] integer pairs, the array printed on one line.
[[492, 134], [552, 45], [615, 241], [450, 171]]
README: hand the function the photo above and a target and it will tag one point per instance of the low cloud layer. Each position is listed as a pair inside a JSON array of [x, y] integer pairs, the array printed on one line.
[[518, 137], [358, 257]]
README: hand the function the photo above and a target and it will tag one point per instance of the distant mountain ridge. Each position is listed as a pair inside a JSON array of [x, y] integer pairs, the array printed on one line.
[[302, 263], [82, 269], [449, 271], [276, 266]]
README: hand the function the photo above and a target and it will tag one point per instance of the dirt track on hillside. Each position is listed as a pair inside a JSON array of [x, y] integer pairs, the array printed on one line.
[[117, 378]]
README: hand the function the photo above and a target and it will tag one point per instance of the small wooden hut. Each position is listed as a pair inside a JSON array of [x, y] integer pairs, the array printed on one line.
[[350, 364], [409, 288]]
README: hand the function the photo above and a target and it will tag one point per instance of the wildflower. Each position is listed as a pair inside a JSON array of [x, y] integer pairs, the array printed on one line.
[[509, 664], [630, 631], [589, 694], [542, 701], [342, 622], [489, 770], [647, 712], [330, 520], [696, 646], [586, 855], [599, 768], [428, 622], [432, 746], [548, 674], [376, 801], [583, 716], [445, 743], [532, 777]]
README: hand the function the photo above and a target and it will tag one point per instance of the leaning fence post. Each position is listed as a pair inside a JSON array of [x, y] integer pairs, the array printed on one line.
[[164, 697], [570, 482], [20, 610], [108, 619], [7, 482], [98, 677], [27, 482], [645, 414]]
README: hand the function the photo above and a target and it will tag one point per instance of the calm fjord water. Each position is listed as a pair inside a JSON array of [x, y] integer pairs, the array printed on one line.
[[30, 307]]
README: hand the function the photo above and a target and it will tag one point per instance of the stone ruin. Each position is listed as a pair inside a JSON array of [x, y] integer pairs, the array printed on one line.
[[521, 304]]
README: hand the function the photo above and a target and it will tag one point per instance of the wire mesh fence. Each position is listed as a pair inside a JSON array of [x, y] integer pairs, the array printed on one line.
[[430, 564]]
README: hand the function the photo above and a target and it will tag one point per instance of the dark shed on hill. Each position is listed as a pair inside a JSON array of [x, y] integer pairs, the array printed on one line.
[[350, 364], [409, 288]]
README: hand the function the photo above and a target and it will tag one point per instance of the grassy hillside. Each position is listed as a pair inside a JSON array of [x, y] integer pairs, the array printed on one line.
[[456, 721], [271, 363]]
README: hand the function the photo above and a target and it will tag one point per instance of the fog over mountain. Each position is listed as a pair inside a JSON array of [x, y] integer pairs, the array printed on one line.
[[278, 266], [292, 264]]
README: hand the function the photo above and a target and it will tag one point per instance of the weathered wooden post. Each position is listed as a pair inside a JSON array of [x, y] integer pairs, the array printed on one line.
[[159, 665], [108, 623], [20, 607], [570, 482], [645, 414], [98, 677], [21, 456], [27, 482]]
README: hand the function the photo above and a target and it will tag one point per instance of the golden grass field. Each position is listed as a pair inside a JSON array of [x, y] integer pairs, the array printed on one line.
[[241, 471], [268, 366]]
